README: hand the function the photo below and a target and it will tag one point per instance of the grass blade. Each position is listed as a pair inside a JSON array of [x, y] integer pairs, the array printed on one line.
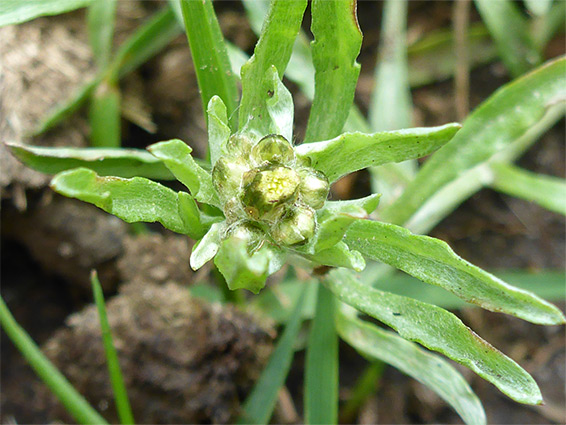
[[210, 59], [321, 370], [547, 191], [100, 21], [75, 404], [104, 117], [409, 358], [510, 31], [19, 11], [336, 45], [273, 49], [520, 105], [259, 405], [118, 386]]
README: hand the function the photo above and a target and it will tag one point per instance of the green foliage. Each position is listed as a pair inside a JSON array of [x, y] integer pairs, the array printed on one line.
[[18, 11]]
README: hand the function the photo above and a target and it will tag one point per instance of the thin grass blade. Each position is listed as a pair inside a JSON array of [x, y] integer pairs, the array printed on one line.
[[19, 11], [104, 117], [74, 402], [118, 386], [100, 22]]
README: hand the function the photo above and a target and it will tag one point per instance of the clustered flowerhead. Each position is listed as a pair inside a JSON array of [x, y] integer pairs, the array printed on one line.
[[267, 192]]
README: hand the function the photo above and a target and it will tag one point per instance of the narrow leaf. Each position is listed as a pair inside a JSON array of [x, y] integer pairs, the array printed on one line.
[[357, 207], [279, 106], [218, 128], [336, 45], [332, 230], [547, 191], [104, 117], [210, 59], [438, 330], [510, 31], [273, 49], [338, 255], [409, 358], [100, 22], [208, 246], [73, 401], [433, 261], [105, 162], [132, 200], [18, 11], [539, 7], [118, 386], [501, 120], [350, 152], [321, 369], [176, 155], [259, 405]]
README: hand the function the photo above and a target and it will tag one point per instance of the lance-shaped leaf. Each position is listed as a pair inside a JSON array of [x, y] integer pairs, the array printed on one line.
[[331, 231], [350, 152], [338, 255], [273, 49], [176, 155], [132, 200], [243, 270], [212, 66], [504, 118], [106, 162], [336, 45], [17, 11], [438, 330], [279, 106], [510, 31], [433, 261], [409, 358], [360, 208], [208, 246], [547, 191], [218, 128]]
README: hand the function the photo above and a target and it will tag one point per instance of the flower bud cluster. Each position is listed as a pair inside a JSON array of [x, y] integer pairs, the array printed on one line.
[[265, 189]]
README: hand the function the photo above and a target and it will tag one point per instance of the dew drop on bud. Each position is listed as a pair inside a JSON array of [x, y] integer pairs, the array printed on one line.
[[314, 188], [273, 148]]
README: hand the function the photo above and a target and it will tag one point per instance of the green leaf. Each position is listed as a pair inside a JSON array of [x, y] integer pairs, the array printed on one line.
[[208, 246], [100, 22], [176, 155], [336, 45], [218, 128], [279, 106], [196, 222], [118, 386], [321, 368], [104, 117], [539, 7], [132, 200], [433, 261], [18, 11], [360, 208], [547, 191], [273, 49], [339, 255], [331, 231], [105, 162], [259, 405], [427, 368], [501, 120], [73, 401], [438, 330], [546, 284], [242, 270], [510, 31], [350, 152], [210, 59], [148, 40]]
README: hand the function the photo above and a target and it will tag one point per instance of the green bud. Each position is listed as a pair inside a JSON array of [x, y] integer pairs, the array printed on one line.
[[227, 175], [296, 226], [268, 187], [233, 210], [251, 235], [314, 188], [273, 148], [238, 144]]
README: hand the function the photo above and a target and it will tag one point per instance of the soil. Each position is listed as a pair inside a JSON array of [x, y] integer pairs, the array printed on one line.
[[186, 360]]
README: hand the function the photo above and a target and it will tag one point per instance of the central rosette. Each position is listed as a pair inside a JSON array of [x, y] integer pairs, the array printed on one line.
[[266, 187]]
